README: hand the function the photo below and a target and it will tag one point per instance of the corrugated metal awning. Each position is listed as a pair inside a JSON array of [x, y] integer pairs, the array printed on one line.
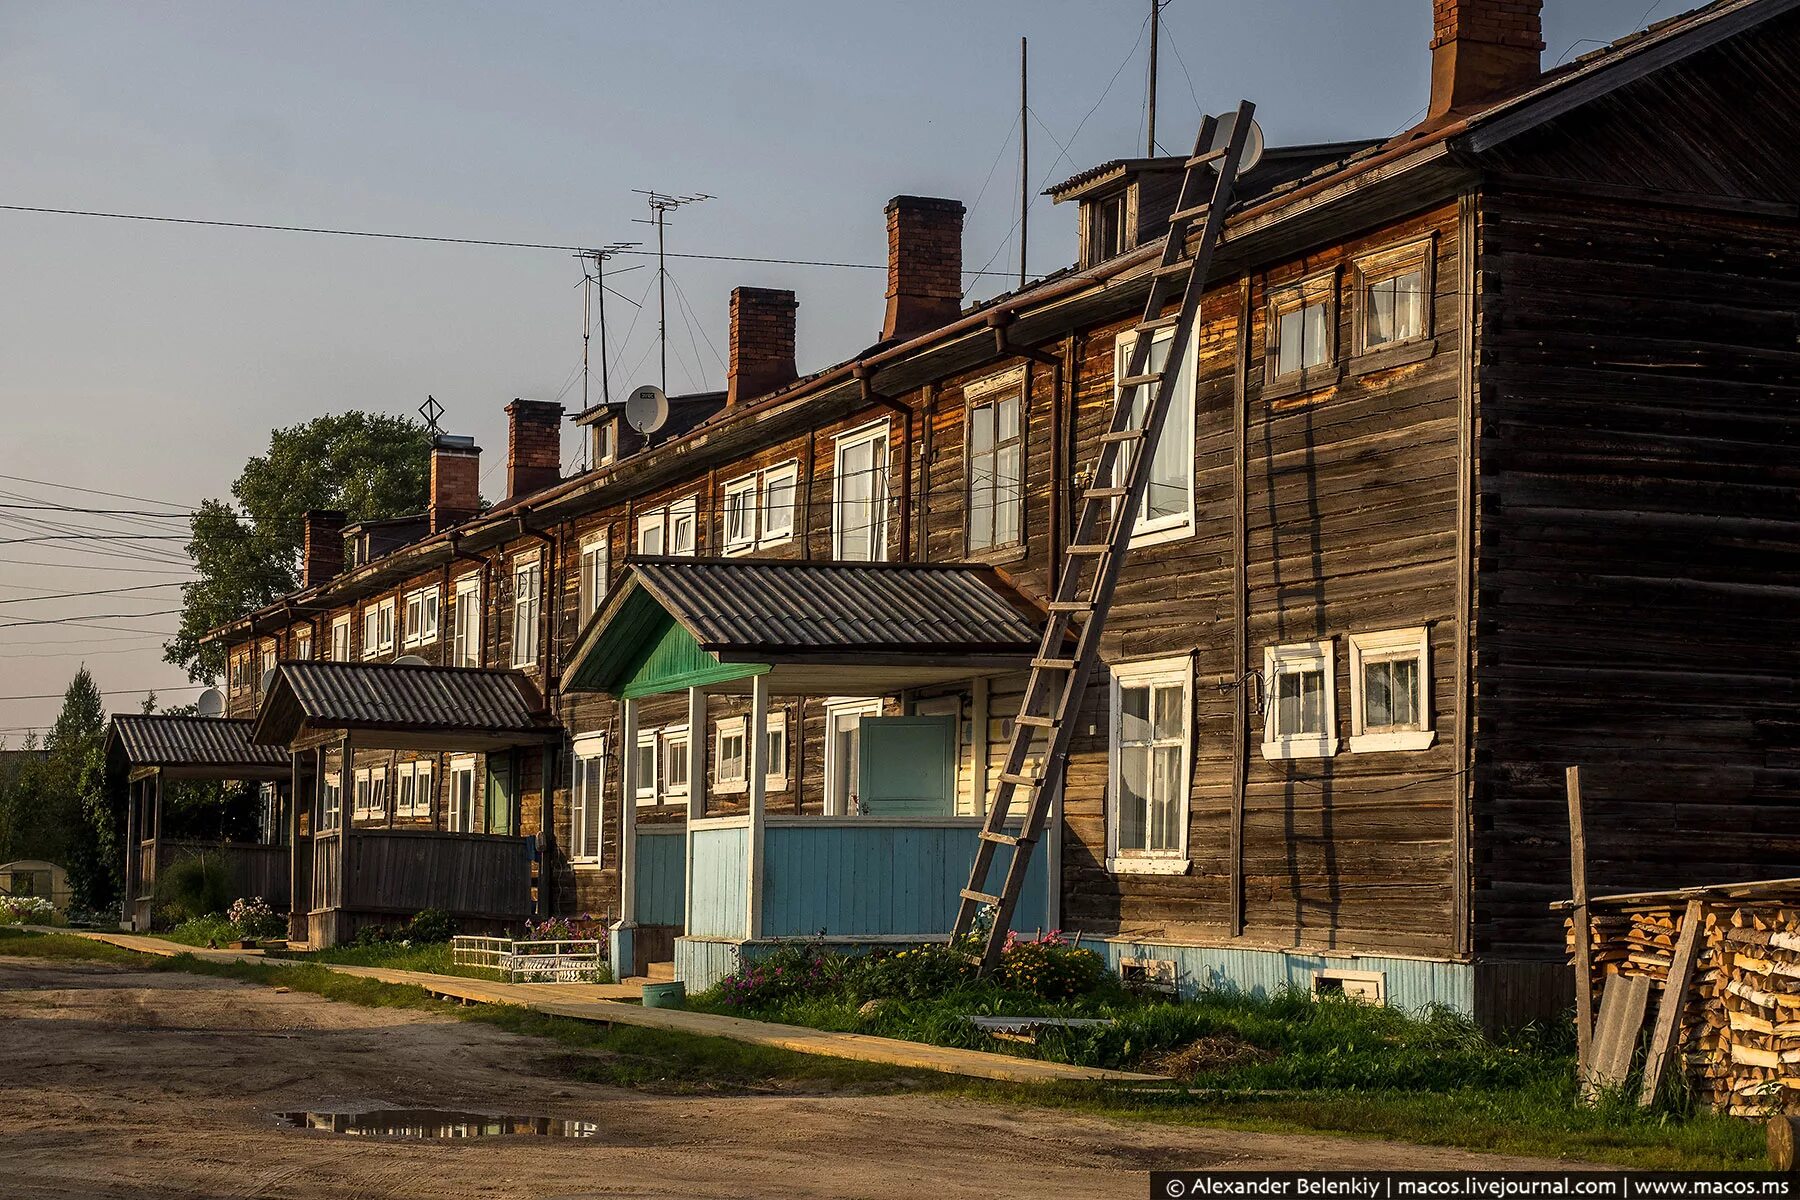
[[402, 706], [213, 746]]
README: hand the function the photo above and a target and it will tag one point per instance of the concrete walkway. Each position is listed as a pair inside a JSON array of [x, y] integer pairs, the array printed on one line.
[[602, 1003]]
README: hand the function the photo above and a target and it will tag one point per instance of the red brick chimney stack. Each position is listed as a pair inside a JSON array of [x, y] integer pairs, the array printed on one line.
[[924, 264], [455, 481], [533, 446], [1481, 48], [322, 546], [762, 343]]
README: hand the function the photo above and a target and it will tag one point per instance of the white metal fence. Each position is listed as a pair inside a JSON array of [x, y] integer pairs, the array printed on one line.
[[551, 961]]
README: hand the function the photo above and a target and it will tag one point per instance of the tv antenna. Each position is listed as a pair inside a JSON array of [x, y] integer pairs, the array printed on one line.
[[431, 410], [591, 282], [661, 204]]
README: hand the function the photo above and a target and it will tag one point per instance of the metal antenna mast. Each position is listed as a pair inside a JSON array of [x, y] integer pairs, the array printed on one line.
[[1150, 102], [590, 283], [660, 205], [1024, 163]]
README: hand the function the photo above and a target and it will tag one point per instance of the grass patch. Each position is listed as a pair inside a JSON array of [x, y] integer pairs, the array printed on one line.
[[214, 931], [1534, 1113]]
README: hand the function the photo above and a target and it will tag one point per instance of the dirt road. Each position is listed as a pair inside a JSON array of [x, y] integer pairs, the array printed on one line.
[[116, 1082]]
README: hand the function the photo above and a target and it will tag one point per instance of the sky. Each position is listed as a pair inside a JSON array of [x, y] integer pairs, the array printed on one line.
[[150, 361]]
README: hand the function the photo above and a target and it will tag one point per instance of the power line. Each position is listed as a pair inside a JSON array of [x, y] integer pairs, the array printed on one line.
[[78, 620], [102, 512], [420, 237], [69, 487], [29, 562], [198, 687], [141, 587]]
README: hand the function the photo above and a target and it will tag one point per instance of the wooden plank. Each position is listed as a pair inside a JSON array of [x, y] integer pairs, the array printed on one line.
[[1584, 979], [1622, 1009], [1667, 1031]]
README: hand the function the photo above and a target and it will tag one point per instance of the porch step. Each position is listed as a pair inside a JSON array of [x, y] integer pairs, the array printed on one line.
[[660, 972]]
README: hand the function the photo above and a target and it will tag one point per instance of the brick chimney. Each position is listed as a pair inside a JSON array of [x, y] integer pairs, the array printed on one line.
[[762, 343], [533, 446], [1481, 48], [322, 546], [455, 480], [924, 264]]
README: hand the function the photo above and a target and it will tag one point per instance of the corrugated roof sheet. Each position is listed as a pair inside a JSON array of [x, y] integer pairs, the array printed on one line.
[[801, 607], [156, 740], [335, 695]]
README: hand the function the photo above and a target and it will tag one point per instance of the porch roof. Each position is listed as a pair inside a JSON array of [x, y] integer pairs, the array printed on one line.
[[195, 747], [825, 628], [402, 706]]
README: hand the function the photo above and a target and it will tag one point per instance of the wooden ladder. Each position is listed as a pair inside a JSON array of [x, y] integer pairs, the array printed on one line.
[[1101, 538]]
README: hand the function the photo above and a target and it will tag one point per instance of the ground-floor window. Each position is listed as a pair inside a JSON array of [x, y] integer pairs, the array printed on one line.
[[1151, 751], [1390, 690], [843, 752], [413, 794], [331, 805], [588, 800], [1300, 708], [462, 794]]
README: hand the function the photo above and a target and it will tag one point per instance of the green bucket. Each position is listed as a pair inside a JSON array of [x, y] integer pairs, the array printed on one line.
[[672, 994]]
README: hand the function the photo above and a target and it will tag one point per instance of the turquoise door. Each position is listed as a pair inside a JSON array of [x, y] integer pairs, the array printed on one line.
[[907, 766]]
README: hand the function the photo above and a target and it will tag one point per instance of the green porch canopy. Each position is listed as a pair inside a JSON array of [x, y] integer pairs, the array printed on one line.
[[818, 628]]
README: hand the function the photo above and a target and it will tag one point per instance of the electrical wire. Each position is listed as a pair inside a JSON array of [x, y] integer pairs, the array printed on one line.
[[141, 587], [197, 687]]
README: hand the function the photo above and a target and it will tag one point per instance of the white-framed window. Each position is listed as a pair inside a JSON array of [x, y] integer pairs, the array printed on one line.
[[645, 780], [1302, 329], [588, 801], [303, 645], [1167, 511], [859, 494], [340, 638], [1390, 690], [740, 515], [1393, 297], [461, 815], [731, 755], [672, 529], [528, 600], [843, 748], [593, 573], [371, 793], [465, 622], [996, 461], [265, 663], [775, 752], [412, 788], [331, 804], [674, 764], [378, 628], [1300, 702], [780, 492], [420, 624], [1152, 749]]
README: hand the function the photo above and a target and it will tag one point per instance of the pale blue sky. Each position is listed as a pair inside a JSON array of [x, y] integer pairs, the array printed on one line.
[[152, 360]]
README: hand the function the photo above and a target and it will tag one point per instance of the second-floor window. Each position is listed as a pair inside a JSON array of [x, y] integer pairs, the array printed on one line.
[[264, 664], [759, 509], [340, 639], [593, 574], [1167, 510], [672, 529], [1301, 331], [996, 462], [421, 620], [303, 645], [465, 623], [1393, 297], [859, 491], [378, 629], [528, 586]]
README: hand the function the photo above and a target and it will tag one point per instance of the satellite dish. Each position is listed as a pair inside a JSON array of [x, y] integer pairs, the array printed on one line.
[[211, 703], [647, 409], [262, 684], [410, 660], [1253, 141]]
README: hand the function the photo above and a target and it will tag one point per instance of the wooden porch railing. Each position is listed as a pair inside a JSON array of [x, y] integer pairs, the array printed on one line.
[[398, 872]]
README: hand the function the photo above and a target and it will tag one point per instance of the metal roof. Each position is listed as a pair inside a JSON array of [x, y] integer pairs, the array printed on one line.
[[410, 704], [211, 744]]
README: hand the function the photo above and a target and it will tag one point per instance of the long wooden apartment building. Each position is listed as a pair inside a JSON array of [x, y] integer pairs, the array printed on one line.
[[1485, 460]]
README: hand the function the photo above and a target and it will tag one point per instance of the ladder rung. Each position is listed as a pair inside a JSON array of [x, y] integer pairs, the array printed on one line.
[[1036, 721], [1030, 781], [1107, 493], [1131, 381], [1122, 435], [1088, 549], [1188, 214], [1001, 839], [983, 897], [1179, 267], [1069, 606], [1054, 664], [1156, 324], [1206, 159]]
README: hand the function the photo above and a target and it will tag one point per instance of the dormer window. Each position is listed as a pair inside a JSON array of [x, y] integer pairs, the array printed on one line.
[[1106, 222]]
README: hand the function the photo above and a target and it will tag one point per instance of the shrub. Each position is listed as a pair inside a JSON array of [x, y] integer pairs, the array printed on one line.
[[788, 972], [190, 887], [254, 919], [1049, 966], [429, 925], [211, 930], [584, 928], [25, 910], [916, 973], [374, 935]]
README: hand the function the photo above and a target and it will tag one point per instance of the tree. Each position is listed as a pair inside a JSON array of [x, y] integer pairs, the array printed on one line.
[[369, 465], [91, 817]]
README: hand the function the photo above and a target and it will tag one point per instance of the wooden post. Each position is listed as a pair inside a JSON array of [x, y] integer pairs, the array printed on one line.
[[1578, 916], [1665, 1035], [345, 816], [1240, 608], [128, 907], [979, 750], [756, 751], [294, 802], [696, 752], [628, 781]]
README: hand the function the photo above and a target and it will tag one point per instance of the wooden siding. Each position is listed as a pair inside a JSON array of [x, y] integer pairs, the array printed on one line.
[[719, 889], [661, 876]]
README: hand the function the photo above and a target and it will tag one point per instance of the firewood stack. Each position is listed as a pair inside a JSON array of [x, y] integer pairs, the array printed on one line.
[[1740, 1031]]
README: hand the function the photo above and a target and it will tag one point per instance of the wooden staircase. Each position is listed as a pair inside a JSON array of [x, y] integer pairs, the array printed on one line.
[[1102, 535]]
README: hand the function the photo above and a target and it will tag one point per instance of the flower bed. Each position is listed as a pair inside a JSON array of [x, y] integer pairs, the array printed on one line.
[[26, 910]]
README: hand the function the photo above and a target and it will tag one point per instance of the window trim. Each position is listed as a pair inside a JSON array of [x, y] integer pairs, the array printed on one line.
[[1379, 646], [524, 563], [420, 773], [645, 793], [422, 637], [738, 727], [749, 486], [664, 517], [303, 644], [672, 736], [1167, 529], [988, 393], [591, 589], [791, 470], [1380, 266], [879, 433], [338, 623], [1149, 673], [1287, 298], [858, 706], [587, 748], [383, 610], [371, 796], [460, 640], [1126, 197], [775, 773], [1276, 745], [462, 764]]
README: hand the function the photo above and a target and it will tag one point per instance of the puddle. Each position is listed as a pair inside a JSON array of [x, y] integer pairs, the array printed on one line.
[[430, 1124]]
